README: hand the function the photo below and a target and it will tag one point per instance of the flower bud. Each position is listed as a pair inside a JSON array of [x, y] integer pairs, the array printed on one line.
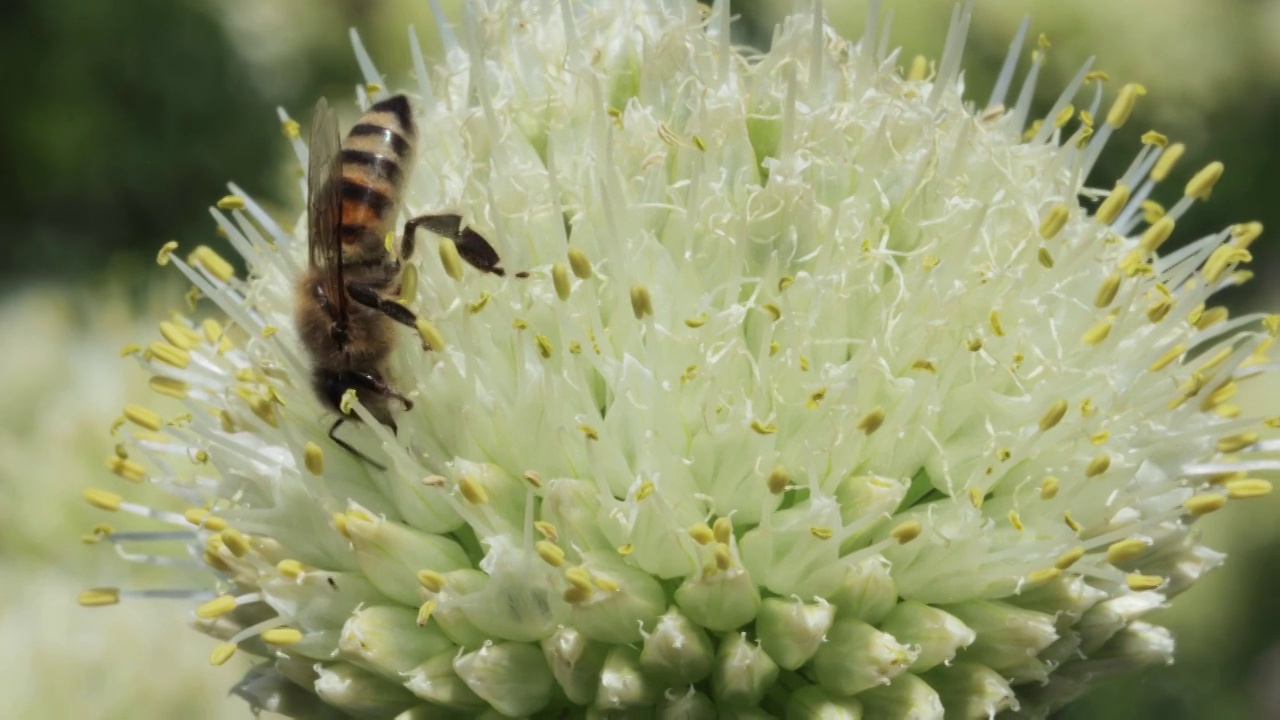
[[512, 677], [857, 656], [970, 690], [386, 639], [677, 653], [865, 591], [791, 631], [813, 703], [743, 672], [1009, 638], [719, 600], [623, 683], [575, 662], [906, 697], [359, 692], [937, 635], [623, 600], [437, 682], [688, 705], [391, 554]]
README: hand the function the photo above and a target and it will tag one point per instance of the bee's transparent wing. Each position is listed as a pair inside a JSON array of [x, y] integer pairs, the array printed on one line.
[[324, 208]]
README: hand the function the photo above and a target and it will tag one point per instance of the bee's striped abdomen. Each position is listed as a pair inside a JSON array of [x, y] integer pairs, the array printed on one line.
[[376, 157]]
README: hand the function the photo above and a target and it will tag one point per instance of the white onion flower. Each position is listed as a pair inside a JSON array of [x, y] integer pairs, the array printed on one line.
[[825, 395]]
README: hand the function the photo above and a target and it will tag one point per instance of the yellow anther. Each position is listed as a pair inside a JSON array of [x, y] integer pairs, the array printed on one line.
[[102, 499], [1246, 233], [1054, 221], [1221, 259], [1122, 108], [606, 584], [821, 533], [1247, 488], [340, 524], [641, 303], [166, 252], [544, 345], [1229, 411], [1155, 236], [1064, 115], [290, 568], [450, 259], [1166, 359], [578, 578], [269, 330], [472, 490], [589, 432], [919, 68], [579, 264], [434, 581], [924, 365], [575, 595], [130, 349], [560, 280], [1236, 443], [1015, 520], [785, 282], [778, 480], [227, 424], [202, 518], [1211, 317], [994, 320], [550, 553], [408, 284], [772, 310], [192, 296], [1032, 130], [168, 386], [127, 469], [291, 129], [907, 531], [1097, 466], [1201, 185], [702, 534], [222, 652], [282, 636], [431, 337], [774, 347], [724, 560], [1167, 160], [1140, 583], [973, 344], [697, 322], [216, 607], [1097, 333], [1211, 364], [1272, 324], [548, 530], [313, 458], [1087, 408], [723, 529], [1152, 211], [1071, 522], [627, 549], [645, 490], [1100, 438], [1097, 76], [1053, 416], [1069, 558], [872, 421], [699, 143], [230, 202], [763, 428], [143, 417], [236, 542], [1110, 208], [207, 258], [1045, 258], [1126, 551], [99, 597], [815, 398], [1049, 488], [975, 497], [169, 354], [1045, 575], [533, 478], [1151, 137], [1107, 293], [804, 364], [424, 613], [930, 261], [1204, 503]]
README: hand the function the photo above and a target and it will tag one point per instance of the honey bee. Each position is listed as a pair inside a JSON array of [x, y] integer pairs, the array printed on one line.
[[344, 311]]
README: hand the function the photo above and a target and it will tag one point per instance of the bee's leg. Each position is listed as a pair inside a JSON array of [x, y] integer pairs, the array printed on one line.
[[349, 448], [367, 296], [471, 245], [372, 383]]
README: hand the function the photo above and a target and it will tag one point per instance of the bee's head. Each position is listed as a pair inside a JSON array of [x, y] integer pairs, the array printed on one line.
[[370, 391]]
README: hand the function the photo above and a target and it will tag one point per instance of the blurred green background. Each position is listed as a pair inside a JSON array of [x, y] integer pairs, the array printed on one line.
[[126, 120]]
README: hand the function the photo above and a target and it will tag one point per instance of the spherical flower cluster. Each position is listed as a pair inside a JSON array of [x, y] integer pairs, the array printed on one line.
[[821, 393]]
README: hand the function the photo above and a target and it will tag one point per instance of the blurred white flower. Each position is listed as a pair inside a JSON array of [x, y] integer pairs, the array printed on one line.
[[823, 395]]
